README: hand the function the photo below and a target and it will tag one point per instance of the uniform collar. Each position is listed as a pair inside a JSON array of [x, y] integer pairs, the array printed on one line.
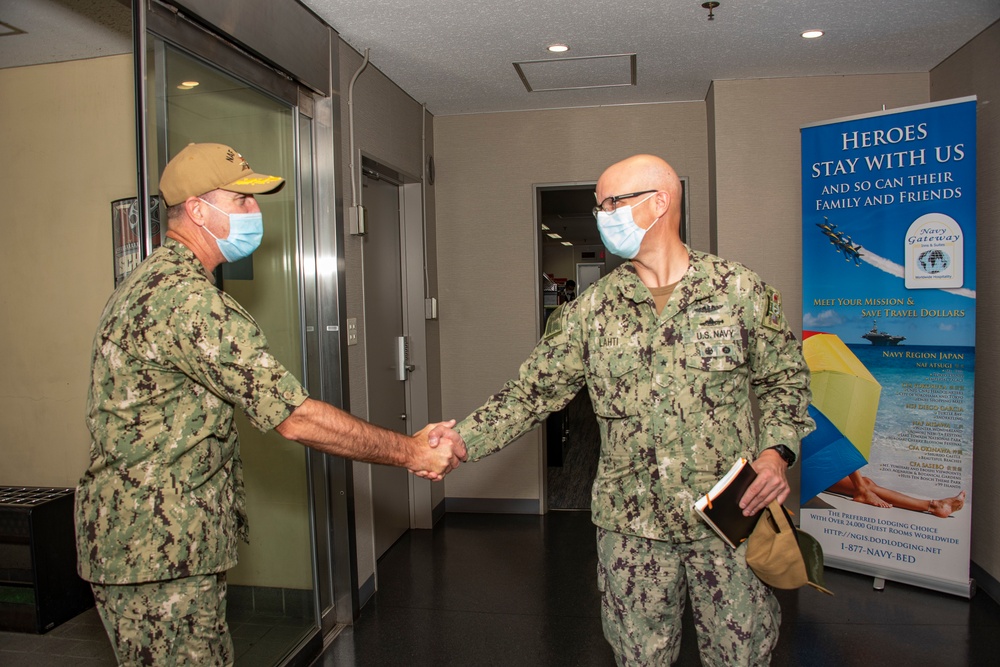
[[187, 255], [698, 283]]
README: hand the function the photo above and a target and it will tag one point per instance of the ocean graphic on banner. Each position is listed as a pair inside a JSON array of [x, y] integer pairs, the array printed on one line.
[[889, 319]]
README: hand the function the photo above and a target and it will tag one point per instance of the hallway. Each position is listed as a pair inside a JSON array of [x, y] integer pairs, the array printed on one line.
[[519, 590]]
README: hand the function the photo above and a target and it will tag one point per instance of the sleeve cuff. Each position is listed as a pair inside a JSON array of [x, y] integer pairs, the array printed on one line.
[[275, 405], [475, 441]]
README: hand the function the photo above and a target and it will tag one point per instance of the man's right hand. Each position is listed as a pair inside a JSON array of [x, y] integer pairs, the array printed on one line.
[[439, 450]]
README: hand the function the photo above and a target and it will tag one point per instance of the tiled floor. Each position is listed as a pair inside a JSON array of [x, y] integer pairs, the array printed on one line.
[[519, 590], [504, 590], [259, 640], [79, 642]]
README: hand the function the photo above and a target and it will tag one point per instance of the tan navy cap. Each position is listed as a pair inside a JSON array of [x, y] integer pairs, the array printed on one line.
[[201, 168]]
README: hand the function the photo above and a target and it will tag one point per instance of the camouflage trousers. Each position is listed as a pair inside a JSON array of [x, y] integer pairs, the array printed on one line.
[[643, 584], [167, 623]]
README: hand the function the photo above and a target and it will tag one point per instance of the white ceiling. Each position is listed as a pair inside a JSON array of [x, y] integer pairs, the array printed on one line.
[[457, 56], [49, 31]]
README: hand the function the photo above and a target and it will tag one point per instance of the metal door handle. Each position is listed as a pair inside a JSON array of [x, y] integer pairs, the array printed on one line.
[[403, 417], [403, 365]]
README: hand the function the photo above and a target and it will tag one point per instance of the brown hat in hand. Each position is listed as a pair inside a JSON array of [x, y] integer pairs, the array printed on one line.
[[201, 168], [781, 555]]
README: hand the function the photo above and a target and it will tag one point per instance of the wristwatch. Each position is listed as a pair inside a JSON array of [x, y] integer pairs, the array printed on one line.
[[785, 453]]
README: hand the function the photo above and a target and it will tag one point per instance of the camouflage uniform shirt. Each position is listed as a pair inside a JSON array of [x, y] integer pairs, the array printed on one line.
[[670, 390], [173, 357]]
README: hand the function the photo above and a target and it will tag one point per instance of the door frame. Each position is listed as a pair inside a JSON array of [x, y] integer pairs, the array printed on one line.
[[382, 324], [413, 278], [536, 212]]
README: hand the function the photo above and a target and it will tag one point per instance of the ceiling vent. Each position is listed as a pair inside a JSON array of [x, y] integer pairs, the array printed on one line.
[[577, 73]]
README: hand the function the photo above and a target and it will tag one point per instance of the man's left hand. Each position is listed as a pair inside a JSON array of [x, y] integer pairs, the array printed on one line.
[[771, 483]]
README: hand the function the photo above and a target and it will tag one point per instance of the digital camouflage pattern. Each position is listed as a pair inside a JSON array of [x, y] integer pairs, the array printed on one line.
[[671, 394], [670, 390], [173, 357], [643, 584], [168, 623]]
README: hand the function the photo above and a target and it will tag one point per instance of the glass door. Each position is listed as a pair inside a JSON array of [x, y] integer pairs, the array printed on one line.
[[272, 603]]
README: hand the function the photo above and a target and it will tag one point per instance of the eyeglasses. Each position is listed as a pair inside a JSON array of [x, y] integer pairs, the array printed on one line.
[[610, 204]]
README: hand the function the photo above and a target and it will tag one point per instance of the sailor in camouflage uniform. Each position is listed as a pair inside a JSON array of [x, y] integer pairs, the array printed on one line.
[[669, 346], [161, 508]]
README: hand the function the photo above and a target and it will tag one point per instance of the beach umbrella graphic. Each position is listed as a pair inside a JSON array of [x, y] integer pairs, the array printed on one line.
[[844, 405]]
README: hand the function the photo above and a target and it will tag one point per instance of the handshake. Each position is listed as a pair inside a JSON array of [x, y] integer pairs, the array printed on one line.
[[438, 449]]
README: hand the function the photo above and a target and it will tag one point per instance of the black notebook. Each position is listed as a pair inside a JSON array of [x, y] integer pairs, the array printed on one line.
[[720, 507]]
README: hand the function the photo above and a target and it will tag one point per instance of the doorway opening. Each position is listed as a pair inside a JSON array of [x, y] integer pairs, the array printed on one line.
[[572, 257]]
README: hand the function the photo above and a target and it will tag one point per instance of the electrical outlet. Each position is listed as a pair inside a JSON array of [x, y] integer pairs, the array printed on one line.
[[352, 331]]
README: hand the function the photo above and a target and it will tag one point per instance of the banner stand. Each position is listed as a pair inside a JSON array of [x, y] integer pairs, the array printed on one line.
[[881, 575], [888, 332]]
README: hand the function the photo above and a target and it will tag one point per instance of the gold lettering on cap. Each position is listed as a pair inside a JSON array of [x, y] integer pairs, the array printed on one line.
[[231, 156], [256, 180]]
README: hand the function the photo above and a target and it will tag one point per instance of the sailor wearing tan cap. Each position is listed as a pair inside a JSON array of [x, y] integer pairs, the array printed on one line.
[[161, 508], [206, 177]]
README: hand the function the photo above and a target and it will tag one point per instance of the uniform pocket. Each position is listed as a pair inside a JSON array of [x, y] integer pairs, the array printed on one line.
[[616, 381], [715, 374], [718, 420]]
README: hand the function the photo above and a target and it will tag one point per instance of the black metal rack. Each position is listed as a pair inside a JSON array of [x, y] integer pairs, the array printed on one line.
[[39, 586]]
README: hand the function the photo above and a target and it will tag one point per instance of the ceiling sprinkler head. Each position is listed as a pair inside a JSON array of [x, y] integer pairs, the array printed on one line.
[[710, 6]]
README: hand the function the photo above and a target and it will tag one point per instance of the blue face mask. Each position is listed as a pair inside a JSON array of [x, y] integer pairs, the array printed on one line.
[[245, 233], [620, 233]]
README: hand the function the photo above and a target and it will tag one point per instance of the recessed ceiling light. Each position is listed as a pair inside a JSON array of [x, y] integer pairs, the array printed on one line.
[[545, 227], [558, 48], [566, 243], [553, 235], [812, 34]]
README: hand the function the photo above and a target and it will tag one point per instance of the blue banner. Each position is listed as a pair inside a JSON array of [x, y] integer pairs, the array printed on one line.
[[889, 320]]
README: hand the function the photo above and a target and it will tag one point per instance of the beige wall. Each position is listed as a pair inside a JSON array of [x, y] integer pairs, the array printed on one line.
[[68, 151], [487, 165], [433, 326], [973, 71]]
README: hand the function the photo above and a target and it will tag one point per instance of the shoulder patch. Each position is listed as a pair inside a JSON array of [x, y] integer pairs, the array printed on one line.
[[772, 318], [553, 325]]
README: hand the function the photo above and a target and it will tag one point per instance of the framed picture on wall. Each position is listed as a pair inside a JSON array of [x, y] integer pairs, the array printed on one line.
[[127, 234]]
